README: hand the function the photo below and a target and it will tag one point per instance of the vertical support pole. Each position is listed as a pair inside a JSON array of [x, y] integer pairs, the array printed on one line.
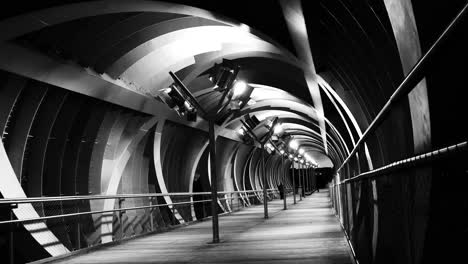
[[300, 182], [265, 197], [214, 182], [305, 178], [294, 184], [285, 205]]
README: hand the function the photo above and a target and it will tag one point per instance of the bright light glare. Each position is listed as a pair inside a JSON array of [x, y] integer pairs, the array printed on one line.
[[278, 129], [282, 151], [301, 151], [239, 88], [290, 156], [293, 144], [241, 131], [251, 102]]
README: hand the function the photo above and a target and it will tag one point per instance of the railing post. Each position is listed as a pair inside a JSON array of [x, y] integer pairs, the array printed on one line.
[[78, 224], [11, 250], [121, 212], [204, 209], [173, 215], [151, 214]]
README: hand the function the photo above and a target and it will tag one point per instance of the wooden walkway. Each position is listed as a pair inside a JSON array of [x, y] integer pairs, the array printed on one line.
[[307, 232]]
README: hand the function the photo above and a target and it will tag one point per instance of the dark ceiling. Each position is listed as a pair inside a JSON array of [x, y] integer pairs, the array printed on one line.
[[352, 40]]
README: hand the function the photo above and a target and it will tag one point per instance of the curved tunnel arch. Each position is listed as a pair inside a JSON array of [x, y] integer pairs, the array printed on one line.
[[133, 47]]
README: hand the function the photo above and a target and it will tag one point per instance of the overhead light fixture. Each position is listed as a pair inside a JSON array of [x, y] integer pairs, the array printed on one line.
[[173, 98], [224, 75], [251, 102], [282, 151], [252, 121], [301, 151], [278, 129], [293, 144], [241, 131], [290, 156], [240, 87], [240, 95]]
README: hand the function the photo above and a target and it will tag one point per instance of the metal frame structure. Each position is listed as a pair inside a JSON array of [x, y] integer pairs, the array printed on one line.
[[406, 86]]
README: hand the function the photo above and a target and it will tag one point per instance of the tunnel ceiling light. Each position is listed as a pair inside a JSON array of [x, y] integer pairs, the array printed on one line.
[[270, 148], [240, 95], [301, 151], [224, 75], [293, 144], [240, 87], [278, 129], [251, 102], [173, 98], [252, 121]]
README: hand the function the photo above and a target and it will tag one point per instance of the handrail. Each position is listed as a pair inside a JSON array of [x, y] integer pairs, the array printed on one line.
[[43, 218], [102, 197], [408, 84], [413, 161]]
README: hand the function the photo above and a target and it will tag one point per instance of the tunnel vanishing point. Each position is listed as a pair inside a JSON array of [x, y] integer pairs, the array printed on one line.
[[281, 131]]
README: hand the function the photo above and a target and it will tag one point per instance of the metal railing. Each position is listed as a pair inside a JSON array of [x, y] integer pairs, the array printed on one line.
[[409, 83], [77, 221], [342, 192], [13, 203]]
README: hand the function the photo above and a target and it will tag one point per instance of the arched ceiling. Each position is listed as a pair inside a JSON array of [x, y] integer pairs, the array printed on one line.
[[135, 44]]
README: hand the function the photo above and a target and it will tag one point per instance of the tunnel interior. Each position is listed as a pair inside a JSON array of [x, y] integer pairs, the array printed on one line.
[[82, 119]]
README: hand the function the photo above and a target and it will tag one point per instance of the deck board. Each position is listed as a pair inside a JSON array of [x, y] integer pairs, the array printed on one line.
[[307, 232]]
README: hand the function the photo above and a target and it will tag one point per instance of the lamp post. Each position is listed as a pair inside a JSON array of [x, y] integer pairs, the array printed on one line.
[[262, 142], [179, 98], [285, 205], [265, 197], [300, 181], [294, 183]]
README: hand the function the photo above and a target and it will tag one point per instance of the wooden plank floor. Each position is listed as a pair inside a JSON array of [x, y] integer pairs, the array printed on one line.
[[307, 232]]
